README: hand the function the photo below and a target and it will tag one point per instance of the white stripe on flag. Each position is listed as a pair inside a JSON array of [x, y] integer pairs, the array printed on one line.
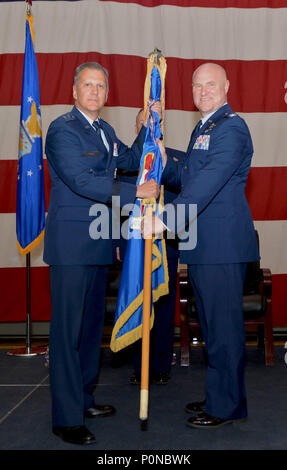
[[237, 33], [10, 257], [272, 238], [272, 234], [269, 141]]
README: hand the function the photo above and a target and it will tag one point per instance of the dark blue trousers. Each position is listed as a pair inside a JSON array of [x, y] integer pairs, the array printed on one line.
[[218, 291], [162, 333], [78, 309]]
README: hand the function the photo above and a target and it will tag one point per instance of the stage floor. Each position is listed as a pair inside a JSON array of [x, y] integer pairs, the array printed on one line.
[[25, 419]]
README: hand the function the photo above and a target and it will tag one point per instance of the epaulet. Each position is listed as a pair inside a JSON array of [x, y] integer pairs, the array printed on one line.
[[230, 115], [68, 117]]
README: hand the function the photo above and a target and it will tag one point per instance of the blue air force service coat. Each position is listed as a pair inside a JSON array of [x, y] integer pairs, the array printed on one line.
[[213, 176], [82, 174]]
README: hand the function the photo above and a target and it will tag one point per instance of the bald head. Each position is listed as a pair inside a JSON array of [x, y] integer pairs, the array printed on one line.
[[210, 66], [210, 88]]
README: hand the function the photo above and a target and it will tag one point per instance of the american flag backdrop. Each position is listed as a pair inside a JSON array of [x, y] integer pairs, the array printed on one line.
[[247, 37]]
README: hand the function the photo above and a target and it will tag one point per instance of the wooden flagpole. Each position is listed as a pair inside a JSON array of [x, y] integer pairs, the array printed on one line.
[[147, 302], [146, 329]]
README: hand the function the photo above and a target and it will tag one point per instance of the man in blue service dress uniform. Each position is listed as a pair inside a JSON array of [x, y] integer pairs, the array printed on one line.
[[83, 152], [214, 176]]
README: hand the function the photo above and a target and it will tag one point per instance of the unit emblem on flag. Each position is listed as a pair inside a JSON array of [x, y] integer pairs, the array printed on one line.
[[29, 130], [33, 123], [25, 146]]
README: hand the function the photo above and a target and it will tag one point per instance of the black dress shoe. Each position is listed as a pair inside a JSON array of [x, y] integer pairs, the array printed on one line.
[[100, 410], [195, 406], [75, 435], [205, 421]]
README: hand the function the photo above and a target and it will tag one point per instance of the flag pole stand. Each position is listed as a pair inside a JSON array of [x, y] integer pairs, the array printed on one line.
[[144, 393], [28, 351]]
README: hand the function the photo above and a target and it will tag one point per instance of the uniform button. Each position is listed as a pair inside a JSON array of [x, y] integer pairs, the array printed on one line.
[[185, 167]]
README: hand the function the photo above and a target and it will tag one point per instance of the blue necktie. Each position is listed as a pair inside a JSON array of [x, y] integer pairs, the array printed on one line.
[[197, 127], [97, 126], [99, 129]]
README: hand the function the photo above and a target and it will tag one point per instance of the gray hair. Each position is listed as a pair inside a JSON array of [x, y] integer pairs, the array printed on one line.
[[91, 65]]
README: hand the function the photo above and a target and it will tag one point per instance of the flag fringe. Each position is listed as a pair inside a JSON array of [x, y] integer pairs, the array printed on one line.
[[31, 246], [131, 336]]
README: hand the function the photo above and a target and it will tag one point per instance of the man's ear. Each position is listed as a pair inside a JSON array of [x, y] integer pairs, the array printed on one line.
[[227, 86], [74, 92]]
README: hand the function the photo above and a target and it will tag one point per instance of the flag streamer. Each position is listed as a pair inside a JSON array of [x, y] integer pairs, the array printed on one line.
[[129, 311], [30, 212]]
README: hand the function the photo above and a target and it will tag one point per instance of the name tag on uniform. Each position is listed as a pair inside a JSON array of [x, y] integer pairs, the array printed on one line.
[[202, 142], [92, 154], [115, 153]]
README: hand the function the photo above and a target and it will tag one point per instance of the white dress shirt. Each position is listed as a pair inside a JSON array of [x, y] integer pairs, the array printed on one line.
[[102, 132]]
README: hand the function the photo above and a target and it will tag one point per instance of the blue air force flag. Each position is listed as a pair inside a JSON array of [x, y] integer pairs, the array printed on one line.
[[129, 311], [30, 212]]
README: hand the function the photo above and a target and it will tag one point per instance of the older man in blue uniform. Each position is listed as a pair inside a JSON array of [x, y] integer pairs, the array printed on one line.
[[83, 152], [213, 177]]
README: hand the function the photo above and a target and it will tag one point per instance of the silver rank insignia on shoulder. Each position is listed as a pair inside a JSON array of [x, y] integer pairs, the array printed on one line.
[[68, 116], [232, 115]]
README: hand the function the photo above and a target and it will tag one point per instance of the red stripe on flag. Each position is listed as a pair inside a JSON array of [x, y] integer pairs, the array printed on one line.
[[8, 185], [266, 190], [256, 86], [209, 3], [279, 299], [13, 303]]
